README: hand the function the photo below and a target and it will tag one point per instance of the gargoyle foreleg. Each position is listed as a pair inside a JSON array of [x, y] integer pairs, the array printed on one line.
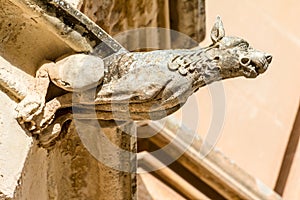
[[32, 105]]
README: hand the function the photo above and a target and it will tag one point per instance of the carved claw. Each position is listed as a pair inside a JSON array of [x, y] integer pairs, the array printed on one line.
[[35, 115], [44, 119], [28, 109]]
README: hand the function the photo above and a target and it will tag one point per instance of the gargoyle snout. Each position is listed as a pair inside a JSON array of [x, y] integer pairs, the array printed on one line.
[[261, 64], [269, 58], [257, 60]]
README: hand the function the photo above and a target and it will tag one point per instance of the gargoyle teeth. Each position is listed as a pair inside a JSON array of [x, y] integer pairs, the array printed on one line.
[[250, 72]]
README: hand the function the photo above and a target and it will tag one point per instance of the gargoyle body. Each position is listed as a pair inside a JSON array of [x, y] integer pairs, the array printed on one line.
[[137, 85]]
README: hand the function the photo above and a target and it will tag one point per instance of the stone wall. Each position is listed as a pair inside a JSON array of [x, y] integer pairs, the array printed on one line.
[[117, 16]]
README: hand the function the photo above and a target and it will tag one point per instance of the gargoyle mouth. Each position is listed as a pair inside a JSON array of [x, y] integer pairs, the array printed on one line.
[[253, 67]]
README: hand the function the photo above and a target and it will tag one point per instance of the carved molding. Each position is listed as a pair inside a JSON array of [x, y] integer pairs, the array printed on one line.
[[215, 169]]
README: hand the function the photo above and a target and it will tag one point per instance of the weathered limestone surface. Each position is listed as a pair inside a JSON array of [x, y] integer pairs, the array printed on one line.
[[33, 183], [13, 152], [116, 16], [188, 17], [21, 41], [14, 143], [14, 146], [68, 170]]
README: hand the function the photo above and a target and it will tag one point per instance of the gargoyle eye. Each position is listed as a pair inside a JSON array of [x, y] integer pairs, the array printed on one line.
[[216, 58], [244, 45], [245, 61]]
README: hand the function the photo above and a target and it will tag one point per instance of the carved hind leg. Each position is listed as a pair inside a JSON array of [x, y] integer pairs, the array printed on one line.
[[51, 132], [77, 72]]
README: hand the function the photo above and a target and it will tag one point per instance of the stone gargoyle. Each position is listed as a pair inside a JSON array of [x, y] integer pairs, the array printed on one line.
[[135, 85]]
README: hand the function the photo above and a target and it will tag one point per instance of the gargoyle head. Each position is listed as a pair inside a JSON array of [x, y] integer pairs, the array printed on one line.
[[234, 56]]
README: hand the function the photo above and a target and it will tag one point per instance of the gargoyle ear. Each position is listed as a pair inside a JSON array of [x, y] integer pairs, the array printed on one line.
[[217, 31]]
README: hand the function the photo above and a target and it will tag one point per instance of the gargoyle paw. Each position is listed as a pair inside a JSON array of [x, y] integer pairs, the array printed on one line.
[[28, 109]]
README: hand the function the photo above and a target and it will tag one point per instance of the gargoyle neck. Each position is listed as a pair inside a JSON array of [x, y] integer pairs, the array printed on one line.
[[206, 70]]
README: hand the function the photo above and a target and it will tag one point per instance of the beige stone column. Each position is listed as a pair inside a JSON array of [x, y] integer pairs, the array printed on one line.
[[113, 146], [86, 163]]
